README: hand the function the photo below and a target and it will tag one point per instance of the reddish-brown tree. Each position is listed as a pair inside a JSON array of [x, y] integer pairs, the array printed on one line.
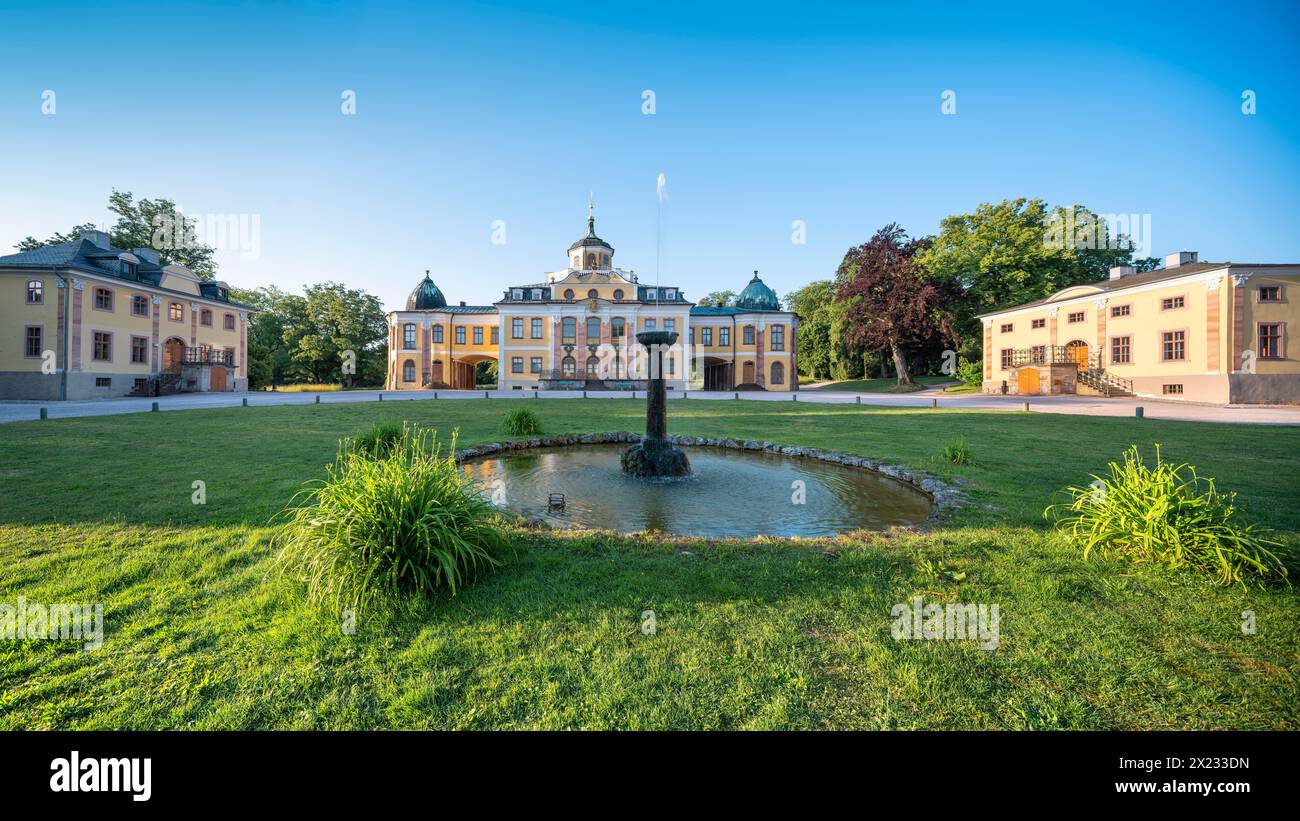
[[888, 302]]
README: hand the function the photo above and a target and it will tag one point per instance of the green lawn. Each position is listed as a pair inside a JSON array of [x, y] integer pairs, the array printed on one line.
[[889, 385], [201, 634]]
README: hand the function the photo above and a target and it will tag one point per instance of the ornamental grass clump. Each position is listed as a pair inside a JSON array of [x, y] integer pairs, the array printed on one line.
[[378, 439], [1170, 516], [521, 422], [403, 519]]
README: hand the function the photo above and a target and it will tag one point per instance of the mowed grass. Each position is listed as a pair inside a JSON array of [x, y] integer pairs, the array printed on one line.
[[200, 633], [888, 385]]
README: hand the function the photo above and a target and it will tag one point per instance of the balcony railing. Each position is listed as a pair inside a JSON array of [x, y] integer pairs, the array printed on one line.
[[208, 356]]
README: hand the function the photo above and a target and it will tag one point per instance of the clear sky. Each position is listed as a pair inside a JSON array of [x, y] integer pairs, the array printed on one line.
[[473, 112]]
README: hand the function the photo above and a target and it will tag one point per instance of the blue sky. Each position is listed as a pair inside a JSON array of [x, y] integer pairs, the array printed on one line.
[[470, 113]]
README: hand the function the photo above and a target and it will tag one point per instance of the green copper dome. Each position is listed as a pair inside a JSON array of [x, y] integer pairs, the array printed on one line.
[[426, 296], [758, 297]]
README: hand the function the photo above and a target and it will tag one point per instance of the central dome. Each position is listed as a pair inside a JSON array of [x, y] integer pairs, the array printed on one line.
[[426, 296], [757, 296]]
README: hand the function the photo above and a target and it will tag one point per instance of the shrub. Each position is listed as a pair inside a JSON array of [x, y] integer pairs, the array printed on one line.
[[307, 388], [376, 440], [521, 422], [405, 521], [958, 452], [1169, 516], [970, 373]]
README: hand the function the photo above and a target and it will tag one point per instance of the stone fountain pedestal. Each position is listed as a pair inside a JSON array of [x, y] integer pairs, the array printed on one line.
[[655, 456]]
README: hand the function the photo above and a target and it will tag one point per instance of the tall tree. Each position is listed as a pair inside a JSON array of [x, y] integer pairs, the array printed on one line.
[[339, 319], [888, 302], [718, 299], [815, 305], [1018, 251], [273, 332], [138, 225]]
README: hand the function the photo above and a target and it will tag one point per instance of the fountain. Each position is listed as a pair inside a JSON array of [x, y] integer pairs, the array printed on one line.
[[655, 456]]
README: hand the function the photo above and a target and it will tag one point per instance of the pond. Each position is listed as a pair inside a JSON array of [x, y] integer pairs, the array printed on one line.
[[730, 492]]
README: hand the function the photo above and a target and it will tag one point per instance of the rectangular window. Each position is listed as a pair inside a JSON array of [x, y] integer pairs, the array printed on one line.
[[671, 293], [35, 292], [569, 328], [749, 335], [175, 312], [690, 335], [778, 337], [1270, 340], [139, 349], [670, 365], [460, 335], [103, 347], [670, 324], [537, 293], [139, 384], [495, 337], [1006, 358], [706, 336], [1121, 310], [1173, 345], [1121, 350], [139, 306], [517, 293], [1006, 328], [537, 329], [103, 382], [1174, 389], [1172, 303], [724, 336], [408, 336], [1270, 293], [535, 365], [478, 335], [650, 325], [103, 299], [229, 322], [517, 328], [205, 319], [1035, 324], [516, 364], [437, 334], [1039, 353], [1077, 316], [32, 344]]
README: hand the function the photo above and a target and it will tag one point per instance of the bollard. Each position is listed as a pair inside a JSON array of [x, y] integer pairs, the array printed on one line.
[[857, 400], [584, 394], [634, 394], [435, 394], [245, 401], [486, 395], [794, 397], [381, 397], [155, 406], [318, 399], [1138, 411], [1026, 406], [934, 403], [45, 413], [535, 396], [737, 394]]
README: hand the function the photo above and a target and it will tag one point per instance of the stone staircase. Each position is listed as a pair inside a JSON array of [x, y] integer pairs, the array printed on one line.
[[1101, 383]]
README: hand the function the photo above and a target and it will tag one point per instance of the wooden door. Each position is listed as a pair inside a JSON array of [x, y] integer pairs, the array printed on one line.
[[218, 382], [1027, 381], [173, 350], [1079, 352], [748, 373]]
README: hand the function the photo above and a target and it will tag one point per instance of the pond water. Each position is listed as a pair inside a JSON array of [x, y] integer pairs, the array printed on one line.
[[729, 493]]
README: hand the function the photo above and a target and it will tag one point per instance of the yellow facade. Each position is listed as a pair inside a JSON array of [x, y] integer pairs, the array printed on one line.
[[1193, 331]]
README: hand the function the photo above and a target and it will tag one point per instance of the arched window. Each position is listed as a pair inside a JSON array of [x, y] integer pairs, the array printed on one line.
[[593, 330], [568, 294], [592, 294], [408, 371], [618, 293], [617, 327], [604, 260], [591, 261], [593, 367], [569, 328], [577, 261], [568, 365], [778, 373], [35, 292]]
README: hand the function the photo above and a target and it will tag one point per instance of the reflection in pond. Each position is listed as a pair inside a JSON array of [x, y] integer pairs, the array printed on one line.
[[730, 493]]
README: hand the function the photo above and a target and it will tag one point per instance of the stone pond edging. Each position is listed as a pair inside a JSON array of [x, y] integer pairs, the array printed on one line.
[[946, 498]]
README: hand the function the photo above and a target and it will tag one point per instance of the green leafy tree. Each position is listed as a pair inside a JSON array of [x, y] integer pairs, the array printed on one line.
[[273, 331], [815, 305], [338, 319], [137, 226], [718, 299], [1018, 251]]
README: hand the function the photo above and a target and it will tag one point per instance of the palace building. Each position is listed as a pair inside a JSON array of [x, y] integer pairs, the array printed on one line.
[[1204, 331], [83, 319], [576, 329]]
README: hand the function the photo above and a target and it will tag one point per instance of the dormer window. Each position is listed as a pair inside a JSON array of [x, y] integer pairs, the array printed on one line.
[[517, 293], [537, 293]]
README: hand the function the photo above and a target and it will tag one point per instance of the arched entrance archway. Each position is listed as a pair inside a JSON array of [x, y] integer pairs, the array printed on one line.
[[173, 355], [1077, 350]]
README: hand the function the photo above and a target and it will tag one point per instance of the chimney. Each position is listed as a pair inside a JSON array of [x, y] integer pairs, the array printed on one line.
[[462, 303], [98, 238], [1180, 258], [147, 254], [1121, 271]]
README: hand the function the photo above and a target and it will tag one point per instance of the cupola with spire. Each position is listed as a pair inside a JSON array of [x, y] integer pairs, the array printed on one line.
[[758, 297], [426, 296], [591, 253]]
